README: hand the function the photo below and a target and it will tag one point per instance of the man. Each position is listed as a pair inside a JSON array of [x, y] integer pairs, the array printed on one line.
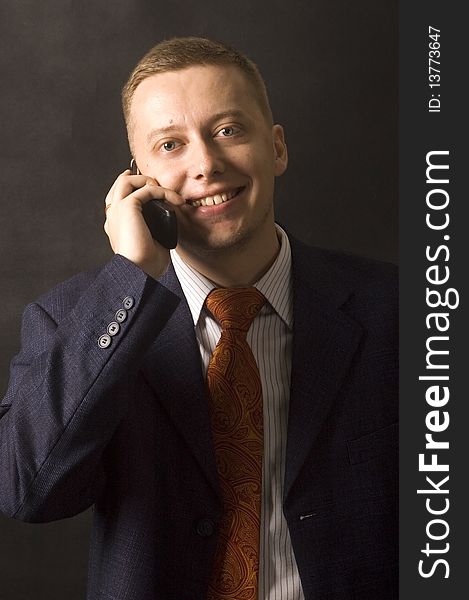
[[112, 401]]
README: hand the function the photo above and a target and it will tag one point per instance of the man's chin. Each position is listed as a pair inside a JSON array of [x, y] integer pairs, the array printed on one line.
[[213, 244], [225, 238]]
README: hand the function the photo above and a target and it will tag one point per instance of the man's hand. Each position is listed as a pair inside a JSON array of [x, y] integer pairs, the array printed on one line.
[[125, 226]]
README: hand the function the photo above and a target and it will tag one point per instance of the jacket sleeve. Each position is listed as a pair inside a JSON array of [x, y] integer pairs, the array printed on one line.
[[68, 393]]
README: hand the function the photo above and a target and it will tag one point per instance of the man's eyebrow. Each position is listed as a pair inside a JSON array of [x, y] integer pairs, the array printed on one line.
[[159, 131], [231, 114]]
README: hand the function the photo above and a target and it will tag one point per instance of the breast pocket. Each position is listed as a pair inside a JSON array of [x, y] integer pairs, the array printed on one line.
[[374, 444]]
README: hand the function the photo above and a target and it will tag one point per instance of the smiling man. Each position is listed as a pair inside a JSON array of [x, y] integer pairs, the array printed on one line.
[[229, 408], [202, 132]]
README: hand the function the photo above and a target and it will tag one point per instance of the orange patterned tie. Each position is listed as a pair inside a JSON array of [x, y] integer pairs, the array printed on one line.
[[235, 395]]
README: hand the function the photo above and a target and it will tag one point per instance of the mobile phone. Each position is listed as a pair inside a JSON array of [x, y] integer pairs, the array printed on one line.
[[159, 217]]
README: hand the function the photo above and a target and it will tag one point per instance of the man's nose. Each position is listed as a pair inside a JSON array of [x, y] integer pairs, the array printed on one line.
[[206, 160]]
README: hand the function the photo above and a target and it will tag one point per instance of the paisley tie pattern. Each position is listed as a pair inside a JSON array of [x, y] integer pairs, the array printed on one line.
[[235, 395]]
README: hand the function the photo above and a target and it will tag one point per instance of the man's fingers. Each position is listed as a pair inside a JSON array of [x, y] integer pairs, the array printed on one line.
[[129, 188], [124, 224], [153, 191]]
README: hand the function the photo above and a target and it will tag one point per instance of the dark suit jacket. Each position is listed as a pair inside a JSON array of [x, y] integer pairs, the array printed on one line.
[[126, 429]]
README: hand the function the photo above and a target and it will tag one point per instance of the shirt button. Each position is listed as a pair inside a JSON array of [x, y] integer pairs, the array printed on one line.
[[205, 527], [121, 315], [104, 341], [113, 328], [128, 302]]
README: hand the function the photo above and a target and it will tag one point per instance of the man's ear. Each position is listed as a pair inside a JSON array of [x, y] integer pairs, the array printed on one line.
[[280, 150], [133, 167]]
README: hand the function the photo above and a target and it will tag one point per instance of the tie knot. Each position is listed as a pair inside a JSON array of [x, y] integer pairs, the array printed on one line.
[[235, 308]]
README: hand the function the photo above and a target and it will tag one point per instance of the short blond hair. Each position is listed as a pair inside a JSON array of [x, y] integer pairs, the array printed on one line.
[[182, 52]]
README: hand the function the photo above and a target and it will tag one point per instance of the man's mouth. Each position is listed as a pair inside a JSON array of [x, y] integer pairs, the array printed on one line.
[[216, 199]]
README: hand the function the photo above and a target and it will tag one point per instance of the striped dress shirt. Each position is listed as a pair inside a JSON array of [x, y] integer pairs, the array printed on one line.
[[270, 338]]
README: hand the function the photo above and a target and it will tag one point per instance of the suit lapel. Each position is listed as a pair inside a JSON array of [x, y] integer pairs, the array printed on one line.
[[324, 342], [173, 368]]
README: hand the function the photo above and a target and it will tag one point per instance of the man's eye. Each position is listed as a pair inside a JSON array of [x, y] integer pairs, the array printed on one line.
[[169, 146], [227, 131]]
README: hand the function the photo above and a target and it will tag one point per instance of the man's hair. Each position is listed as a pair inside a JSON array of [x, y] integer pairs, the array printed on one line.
[[182, 52]]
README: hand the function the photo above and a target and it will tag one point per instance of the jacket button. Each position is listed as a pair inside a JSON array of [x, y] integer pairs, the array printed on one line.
[[121, 315], [113, 328], [128, 302], [205, 527], [104, 341]]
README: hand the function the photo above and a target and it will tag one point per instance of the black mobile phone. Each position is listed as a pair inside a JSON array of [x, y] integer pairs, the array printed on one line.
[[159, 217]]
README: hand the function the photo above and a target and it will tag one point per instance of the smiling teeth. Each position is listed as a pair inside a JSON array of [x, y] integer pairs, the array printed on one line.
[[211, 200]]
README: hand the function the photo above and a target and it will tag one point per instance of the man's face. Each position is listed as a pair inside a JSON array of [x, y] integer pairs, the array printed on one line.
[[201, 132]]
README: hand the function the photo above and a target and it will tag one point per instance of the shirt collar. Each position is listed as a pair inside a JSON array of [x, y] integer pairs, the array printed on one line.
[[275, 284]]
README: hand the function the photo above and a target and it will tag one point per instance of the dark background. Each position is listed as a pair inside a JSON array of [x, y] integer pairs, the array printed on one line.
[[331, 72]]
